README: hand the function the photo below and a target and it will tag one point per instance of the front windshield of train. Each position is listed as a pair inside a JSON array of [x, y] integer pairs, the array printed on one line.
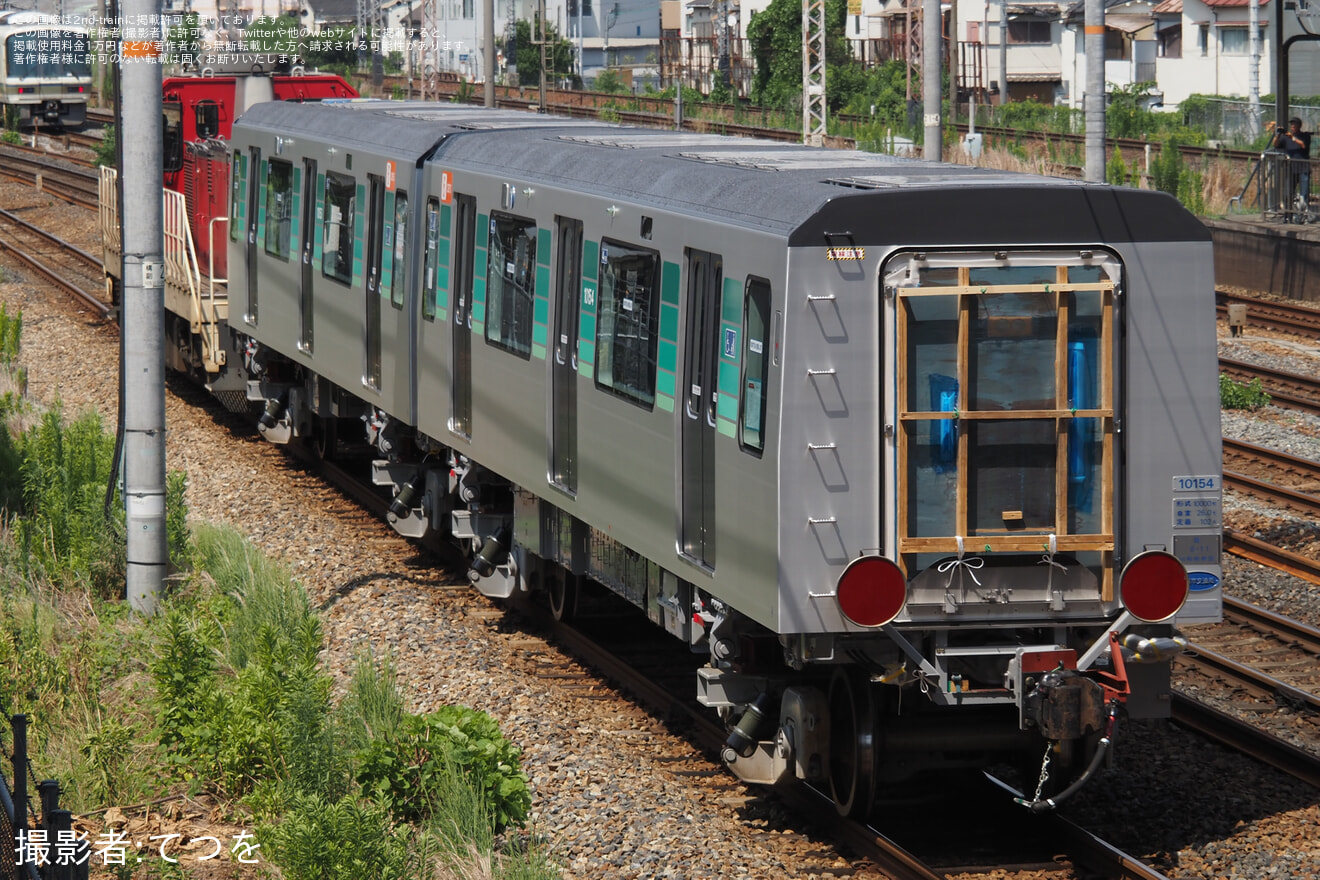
[[47, 54]]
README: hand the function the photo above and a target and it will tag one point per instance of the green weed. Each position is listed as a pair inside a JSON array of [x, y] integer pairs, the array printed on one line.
[[1242, 395]]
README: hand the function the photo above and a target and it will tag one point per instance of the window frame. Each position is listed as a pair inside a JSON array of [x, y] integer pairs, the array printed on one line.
[[273, 220], [399, 251], [513, 336], [965, 468], [755, 286], [607, 347], [347, 224]]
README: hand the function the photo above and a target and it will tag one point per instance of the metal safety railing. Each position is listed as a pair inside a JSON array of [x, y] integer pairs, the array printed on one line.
[[36, 845], [1279, 187]]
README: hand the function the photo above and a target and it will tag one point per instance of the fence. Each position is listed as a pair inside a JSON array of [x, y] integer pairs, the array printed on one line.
[[41, 847]]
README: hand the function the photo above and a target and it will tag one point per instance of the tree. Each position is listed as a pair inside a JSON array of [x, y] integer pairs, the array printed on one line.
[[559, 54], [775, 35]]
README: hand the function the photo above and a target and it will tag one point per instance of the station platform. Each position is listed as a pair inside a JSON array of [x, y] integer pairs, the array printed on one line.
[[1262, 254]]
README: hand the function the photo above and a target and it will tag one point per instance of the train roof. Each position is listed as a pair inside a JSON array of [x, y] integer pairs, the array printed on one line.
[[810, 195]]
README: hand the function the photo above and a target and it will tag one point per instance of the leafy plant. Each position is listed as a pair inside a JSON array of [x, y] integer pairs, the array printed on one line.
[[105, 149], [1116, 170], [405, 772], [1240, 395], [341, 839]]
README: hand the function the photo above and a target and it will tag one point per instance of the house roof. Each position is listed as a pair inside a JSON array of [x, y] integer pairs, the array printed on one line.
[[1168, 7], [1221, 4]]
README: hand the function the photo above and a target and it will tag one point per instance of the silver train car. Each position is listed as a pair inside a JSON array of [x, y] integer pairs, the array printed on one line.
[[926, 458], [45, 70]]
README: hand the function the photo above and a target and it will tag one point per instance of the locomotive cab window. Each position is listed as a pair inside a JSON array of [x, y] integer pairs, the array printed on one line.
[[511, 283], [1005, 401], [628, 321], [279, 209], [172, 135], [206, 118], [337, 227], [756, 365]]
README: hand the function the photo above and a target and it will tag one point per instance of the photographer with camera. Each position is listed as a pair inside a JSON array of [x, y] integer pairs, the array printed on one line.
[[1296, 146]]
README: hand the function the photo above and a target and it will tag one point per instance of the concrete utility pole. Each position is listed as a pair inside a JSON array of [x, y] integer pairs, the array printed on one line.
[[488, 36], [1003, 52], [933, 142], [142, 365], [1253, 68], [1094, 101], [813, 72], [953, 62]]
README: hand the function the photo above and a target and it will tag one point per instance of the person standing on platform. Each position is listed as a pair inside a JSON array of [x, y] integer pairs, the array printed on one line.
[[1296, 146]]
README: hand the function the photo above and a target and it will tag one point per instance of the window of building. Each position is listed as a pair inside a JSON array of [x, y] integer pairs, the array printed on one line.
[[1028, 30], [1170, 42], [279, 209], [511, 283], [1204, 39], [1006, 413], [337, 220], [430, 264], [628, 316], [756, 364], [1232, 41], [399, 268]]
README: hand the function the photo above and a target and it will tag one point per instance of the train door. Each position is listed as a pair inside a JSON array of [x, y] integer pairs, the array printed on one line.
[[255, 179], [311, 195], [375, 221], [563, 383], [705, 274], [465, 235]]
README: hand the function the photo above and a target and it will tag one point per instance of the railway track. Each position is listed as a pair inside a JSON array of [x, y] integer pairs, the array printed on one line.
[[1271, 314], [1273, 463], [73, 184], [71, 270], [1290, 390]]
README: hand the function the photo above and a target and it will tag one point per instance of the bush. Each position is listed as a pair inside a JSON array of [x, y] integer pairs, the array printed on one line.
[[343, 839], [406, 772], [1116, 170], [1240, 395]]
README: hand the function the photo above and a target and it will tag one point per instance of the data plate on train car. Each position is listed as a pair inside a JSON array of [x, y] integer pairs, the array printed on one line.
[[1198, 512]]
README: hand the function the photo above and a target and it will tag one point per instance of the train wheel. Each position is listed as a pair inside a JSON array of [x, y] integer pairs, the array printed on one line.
[[852, 743], [563, 589], [325, 437]]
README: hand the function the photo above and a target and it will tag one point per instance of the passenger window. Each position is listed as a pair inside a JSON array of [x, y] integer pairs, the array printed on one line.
[[511, 283], [279, 209], [236, 169], [429, 285], [756, 364], [337, 227], [628, 320], [399, 271]]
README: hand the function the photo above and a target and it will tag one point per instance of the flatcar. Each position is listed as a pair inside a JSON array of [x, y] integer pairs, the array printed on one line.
[[924, 458], [199, 112], [45, 70]]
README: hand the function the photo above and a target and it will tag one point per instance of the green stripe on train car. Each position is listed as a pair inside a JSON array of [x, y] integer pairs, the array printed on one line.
[[587, 316], [320, 210], [541, 315], [479, 270], [665, 382], [669, 278], [442, 255], [359, 222], [261, 203], [668, 338], [387, 249], [731, 303], [295, 213], [664, 402]]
